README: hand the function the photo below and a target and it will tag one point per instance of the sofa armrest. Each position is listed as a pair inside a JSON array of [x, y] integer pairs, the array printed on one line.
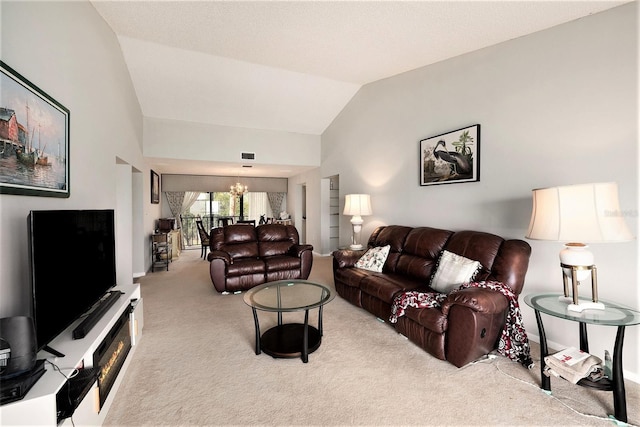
[[344, 258], [478, 299], [475, 318], [219, 261], [298, 250], [220, 255]]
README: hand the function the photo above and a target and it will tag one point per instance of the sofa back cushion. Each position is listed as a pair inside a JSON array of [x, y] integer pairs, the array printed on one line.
[[394, 236], [276, 239], [420, 253], [415, 252], [238, 240], [502, 260]]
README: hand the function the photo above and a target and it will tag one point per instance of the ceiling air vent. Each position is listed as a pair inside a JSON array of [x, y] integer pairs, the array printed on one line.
[[248, 156]]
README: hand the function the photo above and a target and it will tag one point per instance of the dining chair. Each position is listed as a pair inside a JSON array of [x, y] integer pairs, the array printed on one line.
[[204, 238], [247, 221], [225, 220]]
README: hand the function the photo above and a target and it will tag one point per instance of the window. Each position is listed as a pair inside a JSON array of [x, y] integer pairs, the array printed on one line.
[[211, 206]]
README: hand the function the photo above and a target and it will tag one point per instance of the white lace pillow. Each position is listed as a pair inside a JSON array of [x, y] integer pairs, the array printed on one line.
[[374, 258], [453, 270]]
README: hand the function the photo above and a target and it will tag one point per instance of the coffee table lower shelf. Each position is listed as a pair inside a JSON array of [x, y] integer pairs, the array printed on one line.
[[287, 340]]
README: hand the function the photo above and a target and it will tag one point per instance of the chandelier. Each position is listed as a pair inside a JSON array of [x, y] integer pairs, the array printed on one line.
[[238, 189]]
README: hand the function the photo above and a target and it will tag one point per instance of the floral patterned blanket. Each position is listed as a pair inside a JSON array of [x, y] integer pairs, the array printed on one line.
[[514, 343]]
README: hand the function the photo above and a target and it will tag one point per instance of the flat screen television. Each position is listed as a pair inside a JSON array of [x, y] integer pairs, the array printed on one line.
[[73, 266]]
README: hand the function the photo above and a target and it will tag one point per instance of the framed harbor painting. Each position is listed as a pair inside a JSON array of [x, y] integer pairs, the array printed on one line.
[[34, 139], [451, 157]]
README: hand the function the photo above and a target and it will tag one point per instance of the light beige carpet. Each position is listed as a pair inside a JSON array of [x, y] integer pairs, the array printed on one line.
[[196, 365]]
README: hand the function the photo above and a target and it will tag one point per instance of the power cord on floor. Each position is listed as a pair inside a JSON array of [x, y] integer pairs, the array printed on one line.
[[490, 357]]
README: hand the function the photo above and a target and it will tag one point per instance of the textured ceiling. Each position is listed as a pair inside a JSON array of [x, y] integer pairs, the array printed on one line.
[[293, 65]]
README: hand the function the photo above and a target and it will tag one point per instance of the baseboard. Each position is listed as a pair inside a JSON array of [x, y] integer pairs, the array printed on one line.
[[319, 254]]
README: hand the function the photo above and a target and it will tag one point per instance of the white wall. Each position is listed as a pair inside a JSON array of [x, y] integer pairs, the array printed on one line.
[[166, 139], [67, 50], [556, 107]]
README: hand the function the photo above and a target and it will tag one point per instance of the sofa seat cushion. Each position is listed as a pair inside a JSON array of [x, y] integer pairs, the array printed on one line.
[[351, 277], [281, 262], [246, 266], [429, 318], [385, 286]]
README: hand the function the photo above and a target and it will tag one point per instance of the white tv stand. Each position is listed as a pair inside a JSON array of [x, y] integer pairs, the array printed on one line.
[[38, 407]]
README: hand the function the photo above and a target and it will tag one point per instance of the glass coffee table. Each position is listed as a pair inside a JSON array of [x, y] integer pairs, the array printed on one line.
[[286, 340]]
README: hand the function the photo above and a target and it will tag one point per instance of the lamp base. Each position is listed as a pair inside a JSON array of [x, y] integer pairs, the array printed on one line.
[[578, 308], [585, 306], [356, 226]]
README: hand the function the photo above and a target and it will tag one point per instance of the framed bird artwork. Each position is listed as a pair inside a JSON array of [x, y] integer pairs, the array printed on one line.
[[451, 157]]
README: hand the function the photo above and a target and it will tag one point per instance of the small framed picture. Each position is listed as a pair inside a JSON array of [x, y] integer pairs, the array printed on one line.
[[155, 187], [451, 157]]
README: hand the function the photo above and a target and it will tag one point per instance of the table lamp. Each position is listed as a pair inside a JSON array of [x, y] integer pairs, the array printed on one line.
[[577, 214], [357, 205]]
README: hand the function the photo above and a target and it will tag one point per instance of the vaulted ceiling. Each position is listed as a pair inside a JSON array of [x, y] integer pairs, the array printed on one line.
[[292, 66]]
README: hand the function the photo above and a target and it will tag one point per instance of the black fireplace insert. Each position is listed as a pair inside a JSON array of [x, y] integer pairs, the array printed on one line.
[[111, 355]]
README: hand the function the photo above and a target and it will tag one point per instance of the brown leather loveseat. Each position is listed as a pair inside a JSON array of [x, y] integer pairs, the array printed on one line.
[[469, 322], [243, 256]]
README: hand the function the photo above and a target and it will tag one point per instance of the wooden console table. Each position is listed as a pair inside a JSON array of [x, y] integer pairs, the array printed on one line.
[[176, 243]]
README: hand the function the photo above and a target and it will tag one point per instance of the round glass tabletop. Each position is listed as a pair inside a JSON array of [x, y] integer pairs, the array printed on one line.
[[288, 295], [613, 314]]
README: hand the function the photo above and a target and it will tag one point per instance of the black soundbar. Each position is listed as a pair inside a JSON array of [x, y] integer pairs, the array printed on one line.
[[83, 328]]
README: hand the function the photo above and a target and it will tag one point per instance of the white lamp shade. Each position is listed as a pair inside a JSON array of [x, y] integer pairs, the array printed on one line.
[[578, 213], [357, 204]]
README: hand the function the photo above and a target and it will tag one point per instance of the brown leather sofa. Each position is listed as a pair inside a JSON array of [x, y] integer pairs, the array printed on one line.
[[468, 324], [243, 256]]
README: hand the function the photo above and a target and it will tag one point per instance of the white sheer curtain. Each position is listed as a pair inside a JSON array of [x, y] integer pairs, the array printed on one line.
[[179, 202], [190, 198], [258, 205]]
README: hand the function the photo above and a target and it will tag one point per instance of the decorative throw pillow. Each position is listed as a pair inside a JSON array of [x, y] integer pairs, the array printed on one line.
[[453, 270], [374, 258]]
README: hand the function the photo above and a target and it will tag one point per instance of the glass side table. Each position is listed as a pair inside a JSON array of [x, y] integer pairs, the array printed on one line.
[[612, 315], [286, 296]]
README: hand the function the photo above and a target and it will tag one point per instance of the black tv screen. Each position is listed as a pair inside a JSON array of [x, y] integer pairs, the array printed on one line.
[[73, 265]]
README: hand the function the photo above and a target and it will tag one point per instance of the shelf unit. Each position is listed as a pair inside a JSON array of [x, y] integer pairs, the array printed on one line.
[[161, 250], [39, 406], [334, 213]]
